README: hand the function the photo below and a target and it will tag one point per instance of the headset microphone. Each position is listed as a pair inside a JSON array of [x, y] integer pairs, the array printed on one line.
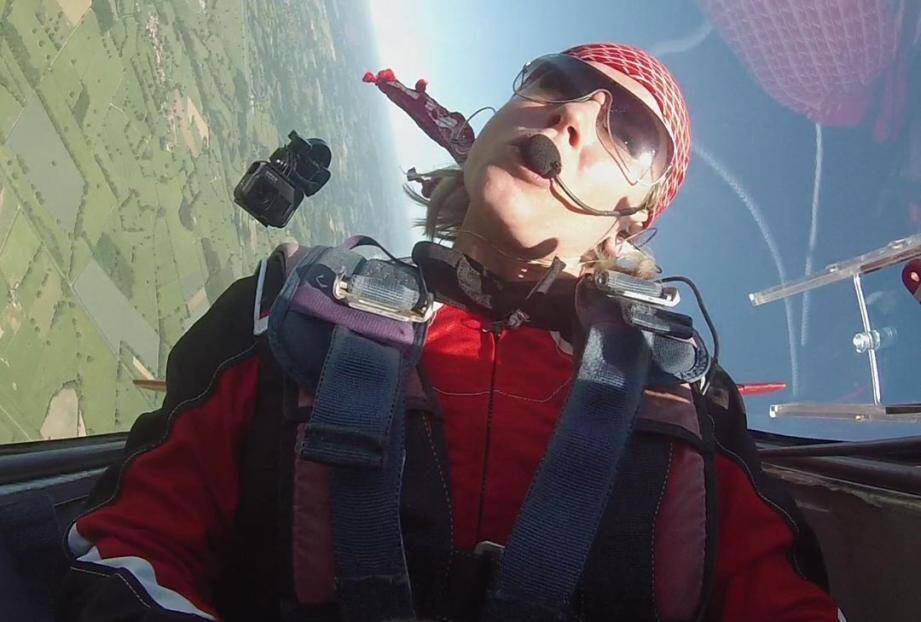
[[542, 157]]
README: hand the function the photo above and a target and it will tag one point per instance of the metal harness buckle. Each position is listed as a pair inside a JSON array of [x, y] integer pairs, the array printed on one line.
[[622, 285], [396, 302]]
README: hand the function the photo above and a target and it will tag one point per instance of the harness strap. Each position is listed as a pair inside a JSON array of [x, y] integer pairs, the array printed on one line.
[[353, 410], [550, 542], [624, 547], [359, 432], [248, 585], [619, 580], [357, 363], [357, 422]]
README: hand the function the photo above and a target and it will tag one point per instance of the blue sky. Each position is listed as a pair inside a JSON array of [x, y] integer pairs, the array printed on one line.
[[471, 51], [742, 218]]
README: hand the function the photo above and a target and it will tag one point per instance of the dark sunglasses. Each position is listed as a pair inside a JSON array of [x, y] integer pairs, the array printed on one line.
[[629, 129]]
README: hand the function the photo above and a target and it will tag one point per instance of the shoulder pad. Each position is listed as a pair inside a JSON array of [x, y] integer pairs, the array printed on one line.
[[273, 271]]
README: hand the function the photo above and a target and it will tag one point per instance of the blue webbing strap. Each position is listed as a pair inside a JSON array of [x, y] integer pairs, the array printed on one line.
[[354, 403], [550, 542], [357, 424]]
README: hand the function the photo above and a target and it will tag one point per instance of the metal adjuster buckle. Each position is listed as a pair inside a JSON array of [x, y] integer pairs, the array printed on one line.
[[657, 320], [620, 285], [397, 304], [488, 549]]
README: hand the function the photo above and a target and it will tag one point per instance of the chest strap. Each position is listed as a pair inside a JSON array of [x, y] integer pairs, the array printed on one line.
[[551, 540], [357, 423]]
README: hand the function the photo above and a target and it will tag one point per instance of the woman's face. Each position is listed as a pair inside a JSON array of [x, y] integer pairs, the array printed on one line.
[[523, 212]]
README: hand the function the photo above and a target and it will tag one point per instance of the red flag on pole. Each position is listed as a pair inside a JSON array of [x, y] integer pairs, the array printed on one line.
[[760, 388], [448, 129]]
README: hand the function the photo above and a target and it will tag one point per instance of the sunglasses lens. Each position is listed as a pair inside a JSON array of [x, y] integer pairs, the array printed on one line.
[[630, 131], [546, 82], [635, 135]]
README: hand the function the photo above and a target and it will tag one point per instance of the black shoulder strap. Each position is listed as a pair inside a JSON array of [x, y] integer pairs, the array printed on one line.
[[251, 583], [556, 526], [618, 582]]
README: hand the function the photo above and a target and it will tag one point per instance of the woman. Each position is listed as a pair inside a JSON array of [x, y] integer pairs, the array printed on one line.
[[214, 514]]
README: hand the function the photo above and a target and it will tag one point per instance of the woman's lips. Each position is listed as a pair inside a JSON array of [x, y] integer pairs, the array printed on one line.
[[521, 171]]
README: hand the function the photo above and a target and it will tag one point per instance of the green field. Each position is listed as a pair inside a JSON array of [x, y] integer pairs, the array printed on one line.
[[20, 249], [48, 165], [124, 125]]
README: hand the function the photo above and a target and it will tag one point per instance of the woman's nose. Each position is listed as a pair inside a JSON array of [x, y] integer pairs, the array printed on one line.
[[577, 120]]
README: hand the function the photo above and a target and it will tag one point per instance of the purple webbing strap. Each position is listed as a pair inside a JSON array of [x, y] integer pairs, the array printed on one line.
[[314, 299], [311, 301]]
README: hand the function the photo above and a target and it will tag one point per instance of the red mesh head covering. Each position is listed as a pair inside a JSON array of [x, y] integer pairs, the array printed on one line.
[[662, 86]]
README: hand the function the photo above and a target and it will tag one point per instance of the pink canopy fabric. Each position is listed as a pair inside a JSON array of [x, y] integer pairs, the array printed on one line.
[[830, 60]]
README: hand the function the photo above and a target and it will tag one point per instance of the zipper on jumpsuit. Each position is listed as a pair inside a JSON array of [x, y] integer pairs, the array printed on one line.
[[496, 329]]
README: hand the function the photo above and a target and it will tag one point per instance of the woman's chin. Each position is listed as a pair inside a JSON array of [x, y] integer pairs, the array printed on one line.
[[517, 210], [512, 191], [514, 208]]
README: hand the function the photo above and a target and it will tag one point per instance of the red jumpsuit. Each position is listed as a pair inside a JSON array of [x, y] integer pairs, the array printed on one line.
[[151, 547]]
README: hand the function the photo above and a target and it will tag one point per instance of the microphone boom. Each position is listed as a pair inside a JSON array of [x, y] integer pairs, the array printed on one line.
[[542, 157]]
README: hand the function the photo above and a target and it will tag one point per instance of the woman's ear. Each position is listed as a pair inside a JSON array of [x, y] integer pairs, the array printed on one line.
[[623, 228], [633, 224], [608, 247]]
